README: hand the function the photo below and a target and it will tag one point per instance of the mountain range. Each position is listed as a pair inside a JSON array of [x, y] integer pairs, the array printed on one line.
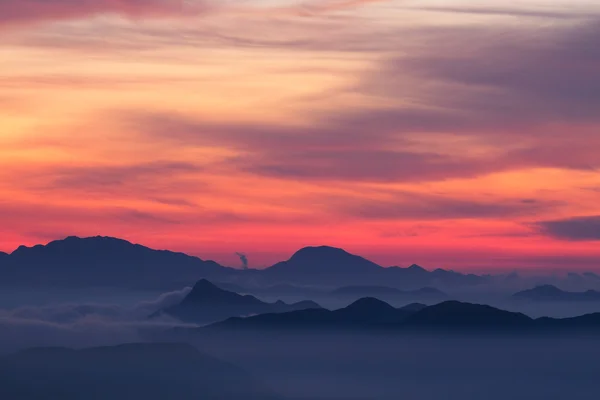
[[552, 293], [371, 314], [110, 262], [134, 371], [366, 312], [208, 303]]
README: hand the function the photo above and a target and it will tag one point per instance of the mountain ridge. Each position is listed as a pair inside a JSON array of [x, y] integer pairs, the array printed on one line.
[[207, 302], [553, 293], [447, 316], [107, 261]]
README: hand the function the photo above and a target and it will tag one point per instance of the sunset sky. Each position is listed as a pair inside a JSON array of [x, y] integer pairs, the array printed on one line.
[[450, 133]]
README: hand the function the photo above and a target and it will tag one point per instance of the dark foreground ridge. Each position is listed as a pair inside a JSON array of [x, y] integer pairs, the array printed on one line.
[[133, 371], [209, 303], [448, 316]]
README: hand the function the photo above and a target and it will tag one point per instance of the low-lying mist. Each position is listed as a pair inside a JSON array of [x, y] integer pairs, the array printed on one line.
[[84, 324], [415, 367]]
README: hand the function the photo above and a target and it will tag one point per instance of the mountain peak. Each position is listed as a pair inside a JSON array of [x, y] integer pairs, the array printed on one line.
[[205, 284], [204, 290], [455, 313], [369, 304], [320, 251], [323, 261]]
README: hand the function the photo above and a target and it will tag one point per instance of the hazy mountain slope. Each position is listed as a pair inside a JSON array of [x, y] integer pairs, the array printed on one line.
[[209, 303]]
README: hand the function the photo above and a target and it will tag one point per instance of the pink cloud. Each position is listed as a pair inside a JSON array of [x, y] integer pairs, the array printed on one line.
[[18, 12]]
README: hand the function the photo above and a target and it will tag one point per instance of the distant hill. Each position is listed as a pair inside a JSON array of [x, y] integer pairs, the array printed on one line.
[[278, 290], [140, 371], [333, 266], [209, 303], [391, 294], [552, 293], [364, 313], [104, 261], [449, 316]]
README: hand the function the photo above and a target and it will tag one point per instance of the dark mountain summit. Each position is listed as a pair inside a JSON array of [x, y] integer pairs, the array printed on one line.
[[141, 371], [332, 266], [323, 260], [104, 261], [370, 310], [454, 314], [552, 293], [205, 292], [209, 303]]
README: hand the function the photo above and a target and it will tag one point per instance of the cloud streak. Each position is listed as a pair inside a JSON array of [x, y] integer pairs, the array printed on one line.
[[573, 229]]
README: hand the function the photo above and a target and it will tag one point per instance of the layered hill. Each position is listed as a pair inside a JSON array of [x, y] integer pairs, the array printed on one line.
[[209, 303], [364, 313], [552, 293], [369, 314]]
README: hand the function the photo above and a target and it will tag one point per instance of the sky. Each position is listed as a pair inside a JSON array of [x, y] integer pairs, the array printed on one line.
[[450, 133]]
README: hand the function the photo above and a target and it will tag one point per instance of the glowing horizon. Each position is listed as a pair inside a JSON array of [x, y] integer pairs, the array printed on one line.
[[444, 133]]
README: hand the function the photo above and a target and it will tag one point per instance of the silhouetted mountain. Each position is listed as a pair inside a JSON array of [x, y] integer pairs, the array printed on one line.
[[364, 313], [454, 314], [591, 275], [134, 371], [325, 261], [104, 261], [332, 266], [209, 303], [552, 293], [390, 294], [110, 262], [373, 314]]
